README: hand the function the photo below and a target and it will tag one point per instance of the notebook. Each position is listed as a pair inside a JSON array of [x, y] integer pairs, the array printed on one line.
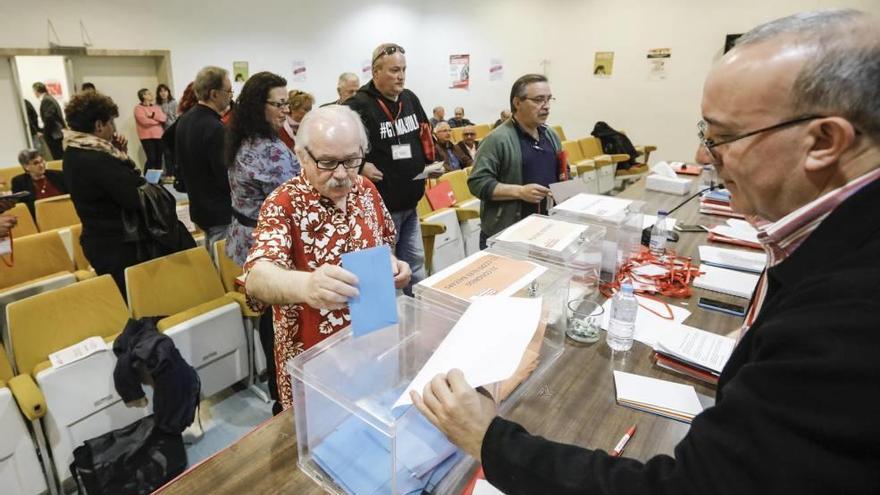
[[731, 282], [660, 397]]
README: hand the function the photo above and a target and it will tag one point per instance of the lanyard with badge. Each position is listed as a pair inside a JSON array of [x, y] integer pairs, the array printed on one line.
[[398, 151]]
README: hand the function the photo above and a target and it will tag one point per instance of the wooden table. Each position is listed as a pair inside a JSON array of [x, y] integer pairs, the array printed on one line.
[[575, 402]]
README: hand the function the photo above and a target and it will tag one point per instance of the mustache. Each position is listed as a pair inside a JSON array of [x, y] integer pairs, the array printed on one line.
[[340, 183]]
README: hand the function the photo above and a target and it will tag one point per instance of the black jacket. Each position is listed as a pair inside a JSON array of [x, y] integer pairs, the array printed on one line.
[[200, 155], [397, 188], [23, 182], [154, 227], [141, 349], [797, 403], [53, 117], [33, 122]]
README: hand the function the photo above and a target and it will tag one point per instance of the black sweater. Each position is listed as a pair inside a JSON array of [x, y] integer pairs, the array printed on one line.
[[200, 153], [797, 403], [397, 188]]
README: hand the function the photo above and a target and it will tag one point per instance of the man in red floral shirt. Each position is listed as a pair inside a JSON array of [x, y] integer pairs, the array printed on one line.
[[304, 228]]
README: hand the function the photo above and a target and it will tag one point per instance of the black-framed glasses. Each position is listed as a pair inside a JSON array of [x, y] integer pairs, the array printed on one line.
[[709, 143], [389, 50], [541, 100], [348, 163], [278, 104]]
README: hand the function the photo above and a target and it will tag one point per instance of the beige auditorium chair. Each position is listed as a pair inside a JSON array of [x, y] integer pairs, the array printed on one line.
[[206, 324], [80, 397], [55, 212], [20, 471]]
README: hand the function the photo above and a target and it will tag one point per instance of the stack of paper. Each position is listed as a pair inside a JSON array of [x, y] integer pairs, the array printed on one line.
[[694, 352], [671, 400], [745, 261], [717, 202], [738, 232], [543, 232], [596, 206], [484, 274], [732, 282]]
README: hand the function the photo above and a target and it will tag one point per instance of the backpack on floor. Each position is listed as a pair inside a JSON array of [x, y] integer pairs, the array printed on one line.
[[138, 458]]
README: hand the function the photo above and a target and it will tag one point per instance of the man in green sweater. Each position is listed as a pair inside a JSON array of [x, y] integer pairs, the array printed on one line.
[[517, 162]]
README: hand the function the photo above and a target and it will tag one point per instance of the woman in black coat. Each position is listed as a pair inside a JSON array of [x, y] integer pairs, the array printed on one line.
[[102, 181]]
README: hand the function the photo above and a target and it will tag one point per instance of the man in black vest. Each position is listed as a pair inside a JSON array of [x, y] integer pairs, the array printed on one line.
[[395, 121], [790, 121], [200, 154]]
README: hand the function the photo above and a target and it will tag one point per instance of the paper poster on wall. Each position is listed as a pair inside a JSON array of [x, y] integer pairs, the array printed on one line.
[[658, 63], [366, 70], [298, 71], [496, 69], [459, 71], [53, 87], [603, 64], [240, 71]]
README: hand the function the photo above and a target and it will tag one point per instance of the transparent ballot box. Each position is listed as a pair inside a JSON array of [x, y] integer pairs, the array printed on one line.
[[350, 439], [486, 273], [622, 219], [576, 247]]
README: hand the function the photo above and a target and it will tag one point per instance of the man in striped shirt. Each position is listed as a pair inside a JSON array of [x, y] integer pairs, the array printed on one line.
[[791, 120]]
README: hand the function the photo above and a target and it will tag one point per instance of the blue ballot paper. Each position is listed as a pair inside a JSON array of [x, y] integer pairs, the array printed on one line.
[[375, 307]]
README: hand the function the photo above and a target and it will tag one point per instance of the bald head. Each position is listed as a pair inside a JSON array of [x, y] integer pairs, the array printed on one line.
[[331, 135], [347, 86]]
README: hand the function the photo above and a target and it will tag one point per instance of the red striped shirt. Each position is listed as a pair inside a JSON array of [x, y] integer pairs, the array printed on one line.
[[781, 238]]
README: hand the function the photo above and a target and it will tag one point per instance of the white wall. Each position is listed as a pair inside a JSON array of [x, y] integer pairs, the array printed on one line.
[[45, 69], [333, 37], [12, 137]]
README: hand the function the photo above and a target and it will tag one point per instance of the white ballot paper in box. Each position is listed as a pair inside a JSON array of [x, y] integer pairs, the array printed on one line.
[[77, 351], [487, 343]]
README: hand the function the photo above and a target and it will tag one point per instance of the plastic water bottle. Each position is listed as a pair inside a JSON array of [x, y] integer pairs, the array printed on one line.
[[658, 235], [708, 177], [622, 326]]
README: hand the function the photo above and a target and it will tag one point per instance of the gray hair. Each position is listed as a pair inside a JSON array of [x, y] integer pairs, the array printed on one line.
[[518, 90], [25, 156], [842, 74], [440, 124], [345, 77], [208, 79], [331, 114]]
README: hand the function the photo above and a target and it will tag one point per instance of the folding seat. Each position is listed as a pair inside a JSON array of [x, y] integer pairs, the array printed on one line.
[[445, 245], [559, 132], [467, 207], [482, 130], [25, 225], [584, 169], [55, 212], [591, 148], [79, 399], [40, 263], [457, 134], [79, 258], [20, 471], [229, 273], [6, 174], [205, 323], [54, 165]]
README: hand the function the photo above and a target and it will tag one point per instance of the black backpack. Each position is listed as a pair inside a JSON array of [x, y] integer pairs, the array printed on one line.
[[138, 458], [615, 142]]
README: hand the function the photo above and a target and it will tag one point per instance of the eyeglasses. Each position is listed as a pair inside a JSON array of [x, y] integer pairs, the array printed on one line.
[[227, 91], [709, 143], [389, 50], [541, 100], [278, 104], [469, 134], [348, 163]]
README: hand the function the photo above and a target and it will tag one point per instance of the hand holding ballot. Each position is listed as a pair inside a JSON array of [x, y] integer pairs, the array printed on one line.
[[457, 409], [329, 287]]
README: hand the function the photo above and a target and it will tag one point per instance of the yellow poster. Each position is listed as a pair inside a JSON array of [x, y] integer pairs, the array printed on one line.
[[603, 64]]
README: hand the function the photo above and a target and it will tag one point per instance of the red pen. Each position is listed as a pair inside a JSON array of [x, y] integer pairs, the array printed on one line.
[[618, 449]]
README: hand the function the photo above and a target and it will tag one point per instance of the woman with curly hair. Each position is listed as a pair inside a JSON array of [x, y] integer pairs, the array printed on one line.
[[102, 181], [300, 104], [259, 162]]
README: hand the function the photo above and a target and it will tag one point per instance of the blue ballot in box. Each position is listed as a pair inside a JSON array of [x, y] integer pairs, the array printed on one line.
[[374, 308], [349, 438]]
